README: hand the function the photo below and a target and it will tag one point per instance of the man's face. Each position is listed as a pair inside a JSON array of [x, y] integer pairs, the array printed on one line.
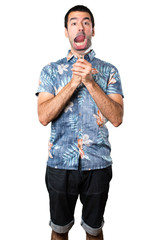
[[79, 31]]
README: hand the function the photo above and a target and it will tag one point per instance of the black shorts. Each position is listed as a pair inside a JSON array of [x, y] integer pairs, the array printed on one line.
[[64, 187]]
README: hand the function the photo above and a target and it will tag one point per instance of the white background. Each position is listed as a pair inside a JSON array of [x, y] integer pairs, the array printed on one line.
[[32, 35]]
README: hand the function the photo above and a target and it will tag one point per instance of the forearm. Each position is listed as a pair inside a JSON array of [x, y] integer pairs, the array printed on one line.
[[110, 109], [51, 108]]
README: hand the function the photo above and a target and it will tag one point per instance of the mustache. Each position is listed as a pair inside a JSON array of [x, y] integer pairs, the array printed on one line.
[[80, 34]]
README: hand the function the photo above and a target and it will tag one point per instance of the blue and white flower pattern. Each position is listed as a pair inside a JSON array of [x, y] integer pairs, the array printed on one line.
[[79, 133], [62, 68], [69, 107]]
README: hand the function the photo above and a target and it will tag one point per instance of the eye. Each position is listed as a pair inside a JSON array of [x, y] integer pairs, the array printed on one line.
[[86, 23], [73, 23]]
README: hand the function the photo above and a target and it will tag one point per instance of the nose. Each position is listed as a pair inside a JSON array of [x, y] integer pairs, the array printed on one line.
[[80, 26]]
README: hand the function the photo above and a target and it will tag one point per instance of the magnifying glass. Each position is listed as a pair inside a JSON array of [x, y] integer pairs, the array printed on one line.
[[88, 50]]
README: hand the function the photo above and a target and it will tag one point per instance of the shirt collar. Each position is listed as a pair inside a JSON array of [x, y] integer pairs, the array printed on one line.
[[90, 55]]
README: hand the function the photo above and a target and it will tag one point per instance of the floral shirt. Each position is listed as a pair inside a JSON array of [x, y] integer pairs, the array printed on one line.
[[79, 135]]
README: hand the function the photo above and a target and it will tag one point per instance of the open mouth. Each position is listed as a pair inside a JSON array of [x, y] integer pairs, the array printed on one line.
[[80, 41]]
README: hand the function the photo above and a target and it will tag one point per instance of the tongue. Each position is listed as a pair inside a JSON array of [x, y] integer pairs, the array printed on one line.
[[80, 38]]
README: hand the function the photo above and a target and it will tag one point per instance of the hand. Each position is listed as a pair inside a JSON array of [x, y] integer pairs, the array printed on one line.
[[83, 69], [76, 79]]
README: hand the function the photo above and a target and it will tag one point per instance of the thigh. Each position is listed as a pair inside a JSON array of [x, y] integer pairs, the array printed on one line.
[[94, 195], [63, 194]]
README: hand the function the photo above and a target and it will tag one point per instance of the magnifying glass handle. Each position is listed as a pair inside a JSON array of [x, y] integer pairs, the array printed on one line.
[[81, 56]]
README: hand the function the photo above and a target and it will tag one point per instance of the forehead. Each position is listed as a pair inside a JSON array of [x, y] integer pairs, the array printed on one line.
[[78, 15]]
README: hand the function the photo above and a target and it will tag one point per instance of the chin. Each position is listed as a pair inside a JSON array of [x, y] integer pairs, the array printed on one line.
[[81, 50]]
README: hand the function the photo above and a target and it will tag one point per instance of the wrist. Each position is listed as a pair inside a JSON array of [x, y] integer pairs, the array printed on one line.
[[75, 82], [88, 83]]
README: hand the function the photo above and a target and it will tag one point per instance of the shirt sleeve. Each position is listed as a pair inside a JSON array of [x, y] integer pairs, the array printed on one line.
[[46, 81], [114, 82]]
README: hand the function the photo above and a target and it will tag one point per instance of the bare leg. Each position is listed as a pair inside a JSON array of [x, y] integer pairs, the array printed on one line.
[[57, 236], [99, 237]]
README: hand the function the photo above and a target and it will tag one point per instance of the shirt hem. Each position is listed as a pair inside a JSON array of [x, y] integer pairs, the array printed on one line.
[[82, 169]]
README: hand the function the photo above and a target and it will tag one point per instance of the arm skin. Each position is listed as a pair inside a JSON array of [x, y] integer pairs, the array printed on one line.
[[111, 106], [50, 106]]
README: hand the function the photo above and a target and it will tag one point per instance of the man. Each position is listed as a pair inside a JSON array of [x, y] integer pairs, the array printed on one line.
[[78, 95]]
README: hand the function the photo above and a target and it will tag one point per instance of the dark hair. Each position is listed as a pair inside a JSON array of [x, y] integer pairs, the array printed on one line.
[[79, 8]]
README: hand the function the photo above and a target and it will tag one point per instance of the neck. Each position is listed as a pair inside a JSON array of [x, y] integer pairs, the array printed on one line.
[[80, 54]]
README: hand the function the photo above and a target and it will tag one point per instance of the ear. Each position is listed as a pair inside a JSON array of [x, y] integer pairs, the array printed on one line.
[[93, 32], [66, 33]]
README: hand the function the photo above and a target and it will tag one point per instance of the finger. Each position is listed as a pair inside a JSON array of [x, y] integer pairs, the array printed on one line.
[[80, 60], [78, 68], [84, 67], [79, 74], [79, 64]]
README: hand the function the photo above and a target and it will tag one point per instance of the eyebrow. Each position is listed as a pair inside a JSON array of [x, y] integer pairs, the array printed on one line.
[[86, 18]]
